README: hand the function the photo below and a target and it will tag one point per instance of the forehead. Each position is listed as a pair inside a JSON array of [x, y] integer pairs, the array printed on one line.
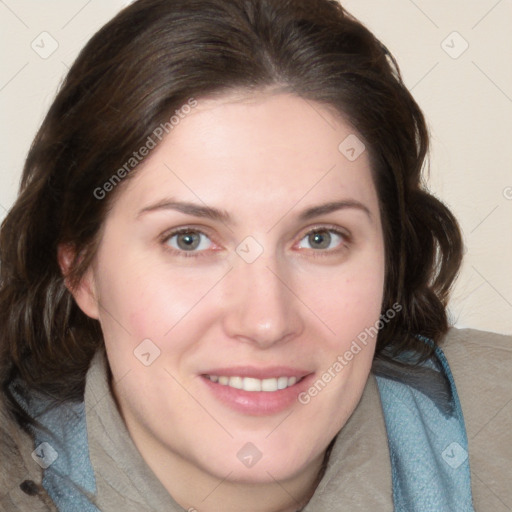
[[261, 150]]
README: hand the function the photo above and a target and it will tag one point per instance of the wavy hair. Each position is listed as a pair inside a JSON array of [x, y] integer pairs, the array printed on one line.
[[134, 72]]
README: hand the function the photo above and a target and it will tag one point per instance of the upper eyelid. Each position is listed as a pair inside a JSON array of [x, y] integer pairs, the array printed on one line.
[[178, 231], [325, 227]]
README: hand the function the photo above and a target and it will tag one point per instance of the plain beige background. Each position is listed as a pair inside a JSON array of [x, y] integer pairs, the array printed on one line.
[[454, 55]]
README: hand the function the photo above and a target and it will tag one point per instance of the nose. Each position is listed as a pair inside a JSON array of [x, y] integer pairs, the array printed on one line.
[[261, 307]]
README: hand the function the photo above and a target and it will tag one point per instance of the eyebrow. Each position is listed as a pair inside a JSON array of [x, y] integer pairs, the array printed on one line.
[[193, 209], [323, 209], [216, 214]]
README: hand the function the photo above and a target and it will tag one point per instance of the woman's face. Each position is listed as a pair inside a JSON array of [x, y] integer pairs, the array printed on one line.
[[234, 273]]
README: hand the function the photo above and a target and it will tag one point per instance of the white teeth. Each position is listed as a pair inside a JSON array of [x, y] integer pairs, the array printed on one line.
[[269, 385], [251, 384], [236, 382], [282, 382]]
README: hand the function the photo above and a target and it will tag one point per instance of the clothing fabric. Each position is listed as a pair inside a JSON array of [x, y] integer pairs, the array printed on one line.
[[426, 464], [428, 445]]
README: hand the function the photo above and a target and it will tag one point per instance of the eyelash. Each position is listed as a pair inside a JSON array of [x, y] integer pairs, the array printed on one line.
[[187, 254], [346, 240]]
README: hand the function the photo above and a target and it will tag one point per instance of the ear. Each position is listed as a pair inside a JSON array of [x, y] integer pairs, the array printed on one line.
[[85, 292]]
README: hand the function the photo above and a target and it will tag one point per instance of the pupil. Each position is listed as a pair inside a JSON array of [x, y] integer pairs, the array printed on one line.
[[320, 239], [188, 241]]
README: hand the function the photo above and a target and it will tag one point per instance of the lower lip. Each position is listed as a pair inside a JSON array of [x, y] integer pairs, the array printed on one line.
[[258, 403]]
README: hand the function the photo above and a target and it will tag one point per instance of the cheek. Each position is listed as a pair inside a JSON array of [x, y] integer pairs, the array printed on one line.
[[347, 301], [167, 297], [140, 301]]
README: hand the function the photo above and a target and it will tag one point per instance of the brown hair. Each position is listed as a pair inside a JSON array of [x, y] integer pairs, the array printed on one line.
[[141, 66]]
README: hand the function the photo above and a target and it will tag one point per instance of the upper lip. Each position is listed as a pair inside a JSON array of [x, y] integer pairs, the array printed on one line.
[[258, 373]]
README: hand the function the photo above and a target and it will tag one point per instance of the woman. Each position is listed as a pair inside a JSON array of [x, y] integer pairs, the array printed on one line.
[[221, 231]]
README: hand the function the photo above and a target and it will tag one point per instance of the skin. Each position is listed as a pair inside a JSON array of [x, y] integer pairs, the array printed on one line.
[[263, 159]]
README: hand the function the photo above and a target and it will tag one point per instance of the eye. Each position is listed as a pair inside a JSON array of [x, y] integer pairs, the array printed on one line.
[[189, 240], [321, 239]]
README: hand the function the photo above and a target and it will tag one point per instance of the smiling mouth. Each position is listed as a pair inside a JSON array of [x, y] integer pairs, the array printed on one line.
[[252, 384]]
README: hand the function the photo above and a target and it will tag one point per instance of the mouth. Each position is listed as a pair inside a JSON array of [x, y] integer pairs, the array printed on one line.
[[257, 392]]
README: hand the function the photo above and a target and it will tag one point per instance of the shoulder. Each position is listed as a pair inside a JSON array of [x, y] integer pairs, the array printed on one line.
[[481, 364], [20, 477]]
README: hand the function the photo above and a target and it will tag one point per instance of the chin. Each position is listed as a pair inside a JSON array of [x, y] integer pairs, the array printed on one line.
[[260, 473], [260, 462]]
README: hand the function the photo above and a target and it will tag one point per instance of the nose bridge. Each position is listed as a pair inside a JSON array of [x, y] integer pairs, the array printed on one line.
[[261, 308]]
